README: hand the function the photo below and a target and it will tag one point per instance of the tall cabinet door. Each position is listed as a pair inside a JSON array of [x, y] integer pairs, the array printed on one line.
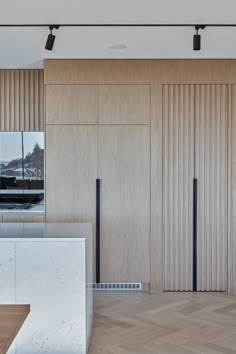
[[178, 172], [211, 172], [124, 170], [71, 172]]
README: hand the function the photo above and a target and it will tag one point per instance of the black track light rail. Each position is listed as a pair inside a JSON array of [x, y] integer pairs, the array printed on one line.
[[121, 25], [51, 37]]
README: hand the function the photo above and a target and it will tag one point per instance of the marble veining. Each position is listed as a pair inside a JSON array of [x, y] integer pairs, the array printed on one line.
[[51, 274]]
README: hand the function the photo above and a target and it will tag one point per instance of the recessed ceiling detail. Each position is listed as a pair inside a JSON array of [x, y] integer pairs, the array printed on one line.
[[118, 46]]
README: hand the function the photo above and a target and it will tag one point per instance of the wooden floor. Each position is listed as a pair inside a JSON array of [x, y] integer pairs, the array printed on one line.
[[165, 323]]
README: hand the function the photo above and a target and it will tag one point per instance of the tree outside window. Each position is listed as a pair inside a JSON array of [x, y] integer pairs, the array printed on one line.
[[22, 157]]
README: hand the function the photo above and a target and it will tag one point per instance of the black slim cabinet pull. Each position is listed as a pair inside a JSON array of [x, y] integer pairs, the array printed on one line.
[[195, 234], [97, 230]]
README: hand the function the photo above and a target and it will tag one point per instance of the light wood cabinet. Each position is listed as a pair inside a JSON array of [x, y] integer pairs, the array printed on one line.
[[124, 104], [124, 170], [118, 152], [71, 104], [189, 107], [71, 172]]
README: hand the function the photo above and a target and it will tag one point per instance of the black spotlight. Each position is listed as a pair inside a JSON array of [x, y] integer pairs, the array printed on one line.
[[197, 38], [51, 38]]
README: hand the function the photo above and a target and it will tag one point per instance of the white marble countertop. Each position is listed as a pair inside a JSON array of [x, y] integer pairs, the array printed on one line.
[[45, 231]]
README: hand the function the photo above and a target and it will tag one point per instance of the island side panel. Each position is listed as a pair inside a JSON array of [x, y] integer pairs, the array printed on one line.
[[7, 273], [50, 276]]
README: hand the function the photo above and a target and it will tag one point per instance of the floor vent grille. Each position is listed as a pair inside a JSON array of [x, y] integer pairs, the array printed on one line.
[[117, 286]]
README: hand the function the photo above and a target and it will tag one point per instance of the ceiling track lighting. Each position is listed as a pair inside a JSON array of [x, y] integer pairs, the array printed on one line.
[[197, 37], [51, 38]]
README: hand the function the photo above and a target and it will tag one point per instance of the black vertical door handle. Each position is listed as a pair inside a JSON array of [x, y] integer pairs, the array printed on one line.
[[195, 234], [97, 230]]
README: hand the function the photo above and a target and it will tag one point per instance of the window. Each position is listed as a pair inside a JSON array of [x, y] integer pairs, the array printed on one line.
[[21, 160]]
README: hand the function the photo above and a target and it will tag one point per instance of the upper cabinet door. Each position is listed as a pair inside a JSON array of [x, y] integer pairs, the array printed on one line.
[[71, 172], [124, 104], [71, 104]]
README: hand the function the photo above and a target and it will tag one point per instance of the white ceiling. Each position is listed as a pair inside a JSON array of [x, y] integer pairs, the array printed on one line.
[[24, 47]]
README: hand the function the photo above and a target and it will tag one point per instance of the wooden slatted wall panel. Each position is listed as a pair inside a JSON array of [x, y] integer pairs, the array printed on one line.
[[211, 171], [232, 190], [21, 100], [157, 257], [178, 172]]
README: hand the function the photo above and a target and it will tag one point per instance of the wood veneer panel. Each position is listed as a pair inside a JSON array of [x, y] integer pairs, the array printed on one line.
[[124, 104], [71, 104], [96, 72], [124, 169], [186, 71], [232, 191], [157, 242], [21, 100], [178, 172], [60, 72], [211, 172], [71, 171], [162, 71], [124, 72]]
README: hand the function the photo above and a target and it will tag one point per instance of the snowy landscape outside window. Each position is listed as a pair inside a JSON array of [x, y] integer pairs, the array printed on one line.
[[21, 160]]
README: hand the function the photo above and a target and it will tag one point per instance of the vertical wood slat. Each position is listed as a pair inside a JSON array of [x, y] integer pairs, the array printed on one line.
[[22, 95], [36, 105], [232, 190], [211, 170], [6, 116], [11, 98], [21, 100], [26, 100], [157, 278], [178, 172], [17, 100]]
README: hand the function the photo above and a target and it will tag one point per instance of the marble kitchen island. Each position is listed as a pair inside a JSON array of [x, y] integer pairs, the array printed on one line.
[[49, 266]]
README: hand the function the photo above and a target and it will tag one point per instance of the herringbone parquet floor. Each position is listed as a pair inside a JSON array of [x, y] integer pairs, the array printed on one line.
[[163, 323]]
